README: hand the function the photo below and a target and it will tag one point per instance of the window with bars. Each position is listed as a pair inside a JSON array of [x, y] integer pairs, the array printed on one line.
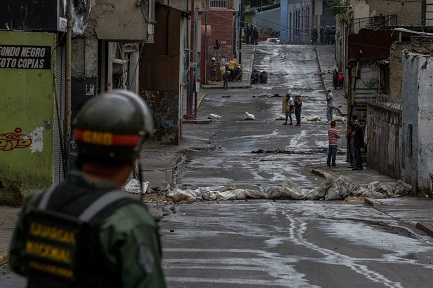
[[218, 3]]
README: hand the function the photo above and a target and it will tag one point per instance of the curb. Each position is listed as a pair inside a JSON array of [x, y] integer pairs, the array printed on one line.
[[201, 100], [371, 202], [320, 67], [426, 227]]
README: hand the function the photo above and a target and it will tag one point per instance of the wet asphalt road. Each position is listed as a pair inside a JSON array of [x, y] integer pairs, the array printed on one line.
[[291, 244], [283, 243]]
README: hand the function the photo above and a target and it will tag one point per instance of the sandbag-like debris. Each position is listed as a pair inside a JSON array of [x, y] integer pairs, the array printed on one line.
[[313, 118], [331, 188]]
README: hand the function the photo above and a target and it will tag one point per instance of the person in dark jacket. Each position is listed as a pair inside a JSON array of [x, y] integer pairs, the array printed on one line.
[[298, 109], [264, 77], [358, 136], [226, 79]]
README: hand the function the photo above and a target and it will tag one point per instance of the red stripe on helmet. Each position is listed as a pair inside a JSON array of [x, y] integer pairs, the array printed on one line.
[[105, 138]]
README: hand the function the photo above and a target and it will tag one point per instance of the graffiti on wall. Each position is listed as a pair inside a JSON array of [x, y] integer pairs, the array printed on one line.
[[18, 139], [370, 84], [14, 140], [162, 122]]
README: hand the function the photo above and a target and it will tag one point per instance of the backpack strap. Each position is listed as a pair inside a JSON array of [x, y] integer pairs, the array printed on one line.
[[43, 202]]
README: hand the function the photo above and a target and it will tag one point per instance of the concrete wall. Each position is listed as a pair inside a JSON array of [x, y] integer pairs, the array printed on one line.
[[408, 12], [385, 139], [220, 27], [268, 21], [367, 84], [159, 75], [121, 20], [27, 110], [418, 121], [84, 50], [395, 68]]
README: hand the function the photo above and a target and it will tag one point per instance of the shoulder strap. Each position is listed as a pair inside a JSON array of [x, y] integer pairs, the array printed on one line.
[[43, 202], [94, 208], [102, 202]]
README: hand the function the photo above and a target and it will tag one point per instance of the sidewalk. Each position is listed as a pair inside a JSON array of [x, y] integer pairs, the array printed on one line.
[[326, 59]]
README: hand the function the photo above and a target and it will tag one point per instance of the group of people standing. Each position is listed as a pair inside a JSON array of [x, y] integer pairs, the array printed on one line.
[[355, 137], [293, 105], [251, 34], [230, 71], [327, 36]]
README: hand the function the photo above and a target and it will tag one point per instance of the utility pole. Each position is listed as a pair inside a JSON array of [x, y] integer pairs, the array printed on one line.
[[240, 31], [205, 43], [195, 59], [68, 85], [189, 96]]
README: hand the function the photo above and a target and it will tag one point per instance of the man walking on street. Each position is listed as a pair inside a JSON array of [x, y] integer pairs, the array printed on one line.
[[329, 105], [86, 231], [333, 135]]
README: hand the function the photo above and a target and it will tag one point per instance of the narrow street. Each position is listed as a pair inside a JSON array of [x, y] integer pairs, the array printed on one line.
[[283, 243], [258, 243]]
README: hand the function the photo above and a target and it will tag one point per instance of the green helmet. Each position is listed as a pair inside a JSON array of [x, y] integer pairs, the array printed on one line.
[[113, 126]]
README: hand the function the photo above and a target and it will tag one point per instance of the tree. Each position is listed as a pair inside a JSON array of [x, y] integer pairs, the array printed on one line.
[[339, 9]]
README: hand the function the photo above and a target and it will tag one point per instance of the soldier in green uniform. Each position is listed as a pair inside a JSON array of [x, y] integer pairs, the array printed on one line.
[[85, 231]]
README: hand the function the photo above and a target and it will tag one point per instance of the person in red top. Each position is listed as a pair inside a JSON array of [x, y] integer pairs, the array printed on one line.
[[333, 135]]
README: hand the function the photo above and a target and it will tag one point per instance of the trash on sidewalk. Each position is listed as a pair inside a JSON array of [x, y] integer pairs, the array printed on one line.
[[133, 186], [214, 116], [403, 187]]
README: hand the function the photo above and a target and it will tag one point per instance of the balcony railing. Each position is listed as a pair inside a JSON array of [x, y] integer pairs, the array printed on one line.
[[373, 23], [218, 3]]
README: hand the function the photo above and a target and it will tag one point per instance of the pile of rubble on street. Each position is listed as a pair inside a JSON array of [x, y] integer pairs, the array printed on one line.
[[331, 189]]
